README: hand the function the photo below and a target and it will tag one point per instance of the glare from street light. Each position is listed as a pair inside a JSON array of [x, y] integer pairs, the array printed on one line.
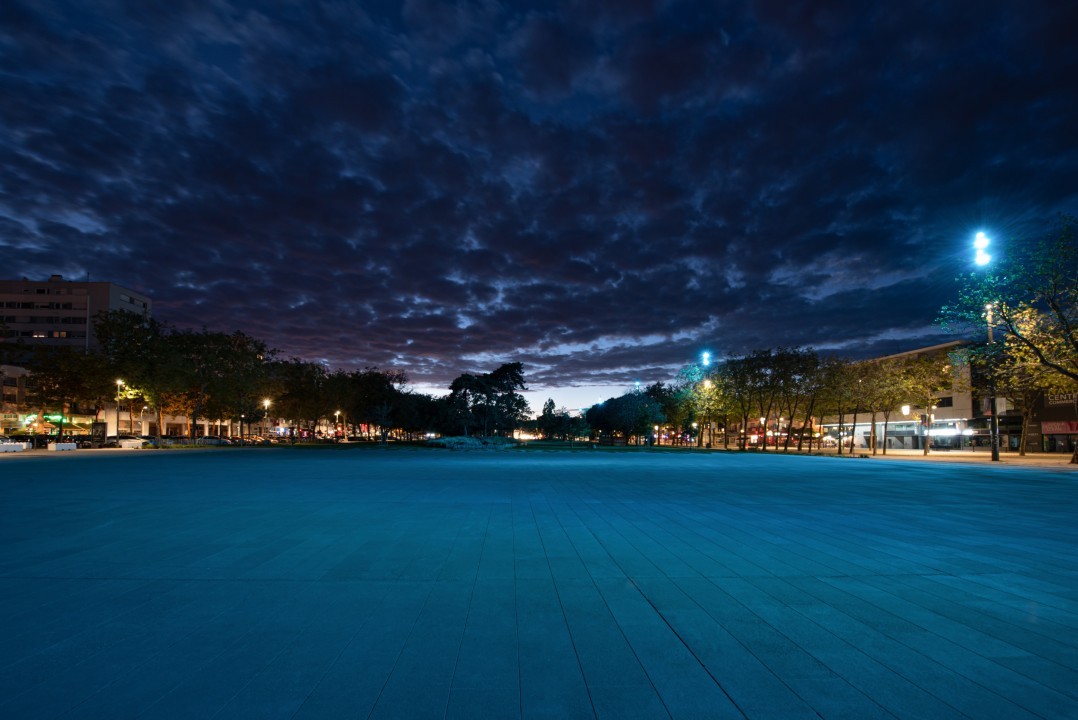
[[980, 244], [706, 357]]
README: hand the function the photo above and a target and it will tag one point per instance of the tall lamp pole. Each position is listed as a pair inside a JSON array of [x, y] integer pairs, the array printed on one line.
[[706, 360], [992, 389], [119, 384], [980, 244]]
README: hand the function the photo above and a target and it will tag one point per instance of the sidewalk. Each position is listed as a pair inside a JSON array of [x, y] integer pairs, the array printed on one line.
[[977, 457]]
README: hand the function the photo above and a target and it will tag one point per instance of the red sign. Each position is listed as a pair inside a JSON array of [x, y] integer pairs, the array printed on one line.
[[1059, 427]]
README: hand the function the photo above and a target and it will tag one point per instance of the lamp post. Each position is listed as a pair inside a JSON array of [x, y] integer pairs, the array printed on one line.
[[705, 360], [141, 424], [980, 244], [707, 389], [763, 435], [119, 385], [336, 424], [265, 417], [994, 422]]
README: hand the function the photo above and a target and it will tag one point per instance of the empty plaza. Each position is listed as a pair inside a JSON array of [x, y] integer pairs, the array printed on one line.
[[410, 583]]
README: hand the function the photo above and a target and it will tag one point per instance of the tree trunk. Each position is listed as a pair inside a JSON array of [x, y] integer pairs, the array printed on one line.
[[841, 420], [1022, 439], [886, 419], [872, 433], [853, 431]]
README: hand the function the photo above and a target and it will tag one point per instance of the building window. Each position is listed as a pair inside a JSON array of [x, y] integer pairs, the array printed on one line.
[[945, 402]]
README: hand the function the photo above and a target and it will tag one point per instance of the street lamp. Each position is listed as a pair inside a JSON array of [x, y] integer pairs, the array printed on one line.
[[707, 388], [265, 418], [336, 424], [705, 360], [994, 423], [980, 244], [119, 386], [141, 424]]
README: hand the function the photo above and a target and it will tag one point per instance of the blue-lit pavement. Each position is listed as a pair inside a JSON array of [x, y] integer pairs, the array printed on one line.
[[270, 583]]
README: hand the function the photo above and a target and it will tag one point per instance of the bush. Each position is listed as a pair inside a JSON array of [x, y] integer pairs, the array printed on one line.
[[473, 443]]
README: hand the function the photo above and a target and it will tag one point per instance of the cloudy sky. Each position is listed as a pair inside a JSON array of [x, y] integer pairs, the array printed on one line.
[[599, 189]]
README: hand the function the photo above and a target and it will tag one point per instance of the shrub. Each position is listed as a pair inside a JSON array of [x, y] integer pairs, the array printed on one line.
[[473, 443]]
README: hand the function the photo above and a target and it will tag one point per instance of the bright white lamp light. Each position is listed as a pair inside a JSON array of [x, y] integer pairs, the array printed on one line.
[[980, 244]]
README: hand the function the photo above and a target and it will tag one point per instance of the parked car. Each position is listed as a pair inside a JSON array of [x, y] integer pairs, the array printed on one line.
[[212, 440]]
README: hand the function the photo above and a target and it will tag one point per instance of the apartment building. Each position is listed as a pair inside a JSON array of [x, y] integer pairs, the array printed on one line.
[[60, 312]]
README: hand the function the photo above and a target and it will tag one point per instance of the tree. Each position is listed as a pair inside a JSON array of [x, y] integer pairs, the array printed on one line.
[[888, 393], [301, 390], [490, 400], [795, 374], [926, 379], [144, 353], [548, 420], [707, 402], [1022, 379], [737, 381], [63, 377], [841, 392], [1032, 297]]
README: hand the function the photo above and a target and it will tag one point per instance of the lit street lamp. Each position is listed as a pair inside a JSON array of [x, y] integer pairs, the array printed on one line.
[[705, 359], [265, 418], [707, 388], [980, 244], [119, 386], [141, 424], [992, 389]]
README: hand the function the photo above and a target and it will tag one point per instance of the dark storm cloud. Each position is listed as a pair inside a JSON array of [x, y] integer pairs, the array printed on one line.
[[599, 189]]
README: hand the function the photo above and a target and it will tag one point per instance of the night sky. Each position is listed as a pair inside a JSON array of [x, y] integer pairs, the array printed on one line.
[[599, 190]]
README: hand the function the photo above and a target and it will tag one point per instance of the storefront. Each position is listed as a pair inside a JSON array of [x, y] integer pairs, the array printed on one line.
[[1057, 419]]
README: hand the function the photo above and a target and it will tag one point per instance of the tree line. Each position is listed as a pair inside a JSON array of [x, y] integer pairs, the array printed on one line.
[[220, 376], [790, 388]]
